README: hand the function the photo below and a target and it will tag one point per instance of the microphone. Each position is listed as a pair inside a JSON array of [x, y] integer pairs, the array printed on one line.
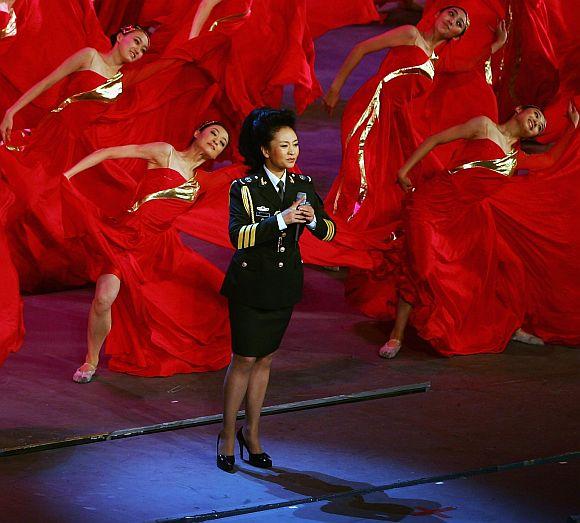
[[300, 197]]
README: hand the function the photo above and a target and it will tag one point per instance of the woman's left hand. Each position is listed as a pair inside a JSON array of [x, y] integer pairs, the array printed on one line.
[[307, 212], [573, 114], [501, 36]]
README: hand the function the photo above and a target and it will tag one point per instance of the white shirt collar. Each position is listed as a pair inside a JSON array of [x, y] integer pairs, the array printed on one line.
[[274, 179]]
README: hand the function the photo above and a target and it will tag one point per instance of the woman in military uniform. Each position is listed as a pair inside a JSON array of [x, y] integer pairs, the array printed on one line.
[[269, 210]]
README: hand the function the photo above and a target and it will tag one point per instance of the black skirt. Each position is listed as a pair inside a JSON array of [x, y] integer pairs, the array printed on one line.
[[257, 332]]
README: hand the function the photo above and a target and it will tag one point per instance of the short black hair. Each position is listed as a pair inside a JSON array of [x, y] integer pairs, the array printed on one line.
[[258, 131]]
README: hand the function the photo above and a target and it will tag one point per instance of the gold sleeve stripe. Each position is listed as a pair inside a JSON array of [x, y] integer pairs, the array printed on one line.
[[330, 230], [247, 236], [245, 199], [253, 235], [248, 204], [241, 236], [247, 231]]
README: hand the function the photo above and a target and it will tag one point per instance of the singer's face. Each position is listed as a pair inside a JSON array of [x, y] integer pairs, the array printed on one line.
[[282, 152]]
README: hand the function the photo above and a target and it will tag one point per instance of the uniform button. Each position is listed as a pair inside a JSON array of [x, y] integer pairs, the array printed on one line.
[[283, 235], [244, 264], [282, 249], [280, 264]]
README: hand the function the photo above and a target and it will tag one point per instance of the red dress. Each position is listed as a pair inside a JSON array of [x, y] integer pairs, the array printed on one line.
[[466, 283], [169, 316], [11, 324], [34, 171]]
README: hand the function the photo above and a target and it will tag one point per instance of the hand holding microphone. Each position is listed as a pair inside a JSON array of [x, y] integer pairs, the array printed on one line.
[[294, 213], [306, 211]]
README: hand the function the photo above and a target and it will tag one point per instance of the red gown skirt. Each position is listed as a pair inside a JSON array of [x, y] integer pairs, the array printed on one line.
[[169, 317], [11, 324], [466, 282]]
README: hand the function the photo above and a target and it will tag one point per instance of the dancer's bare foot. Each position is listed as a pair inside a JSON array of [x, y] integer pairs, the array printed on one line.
[[85, 373], [525, 337], [390, 349]]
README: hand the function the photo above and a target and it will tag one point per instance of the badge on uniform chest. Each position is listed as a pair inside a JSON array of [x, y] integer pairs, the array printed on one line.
[[263, 212]]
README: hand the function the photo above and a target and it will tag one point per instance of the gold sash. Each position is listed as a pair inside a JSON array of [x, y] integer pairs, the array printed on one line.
[[107, 93], [368, 119], [504, 166], [187, 191]]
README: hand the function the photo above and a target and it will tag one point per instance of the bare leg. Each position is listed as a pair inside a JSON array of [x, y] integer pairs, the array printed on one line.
[[235, 387], [255, 400], [106, 292], [392, 347]]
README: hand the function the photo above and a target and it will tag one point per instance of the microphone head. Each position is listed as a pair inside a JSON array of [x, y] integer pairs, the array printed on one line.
[[301, 197]]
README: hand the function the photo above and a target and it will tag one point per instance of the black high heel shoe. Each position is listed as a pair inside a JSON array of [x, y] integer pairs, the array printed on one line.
[[261, 460], [223, 461]]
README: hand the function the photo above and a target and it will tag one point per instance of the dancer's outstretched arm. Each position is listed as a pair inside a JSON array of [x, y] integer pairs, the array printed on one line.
[[202, 14], [155, 153], [404, 35], [474, 128]]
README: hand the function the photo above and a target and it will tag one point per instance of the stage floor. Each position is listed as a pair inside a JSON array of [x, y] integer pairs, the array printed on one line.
[[482, 411]]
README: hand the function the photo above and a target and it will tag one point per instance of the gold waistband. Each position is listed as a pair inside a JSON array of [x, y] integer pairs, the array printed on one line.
[[187, 191], [504, 166], [368, 119], [10, 29], [106, 93]]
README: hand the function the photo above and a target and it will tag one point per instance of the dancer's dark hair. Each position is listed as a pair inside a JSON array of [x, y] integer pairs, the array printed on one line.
[[259, 129]]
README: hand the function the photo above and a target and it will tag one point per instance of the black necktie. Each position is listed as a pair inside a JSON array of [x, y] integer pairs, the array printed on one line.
[[280, 186]]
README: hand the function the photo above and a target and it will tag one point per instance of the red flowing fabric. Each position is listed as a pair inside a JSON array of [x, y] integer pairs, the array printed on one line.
[[324, 16], [114, 14], [528, 54], [539, 219], [169, 316], [249, 78], [11, 324]]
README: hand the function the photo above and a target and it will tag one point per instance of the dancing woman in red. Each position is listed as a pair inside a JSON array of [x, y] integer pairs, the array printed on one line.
[[32, 168], [155, 333], [377, 132], [131, 42], [463, 278]]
